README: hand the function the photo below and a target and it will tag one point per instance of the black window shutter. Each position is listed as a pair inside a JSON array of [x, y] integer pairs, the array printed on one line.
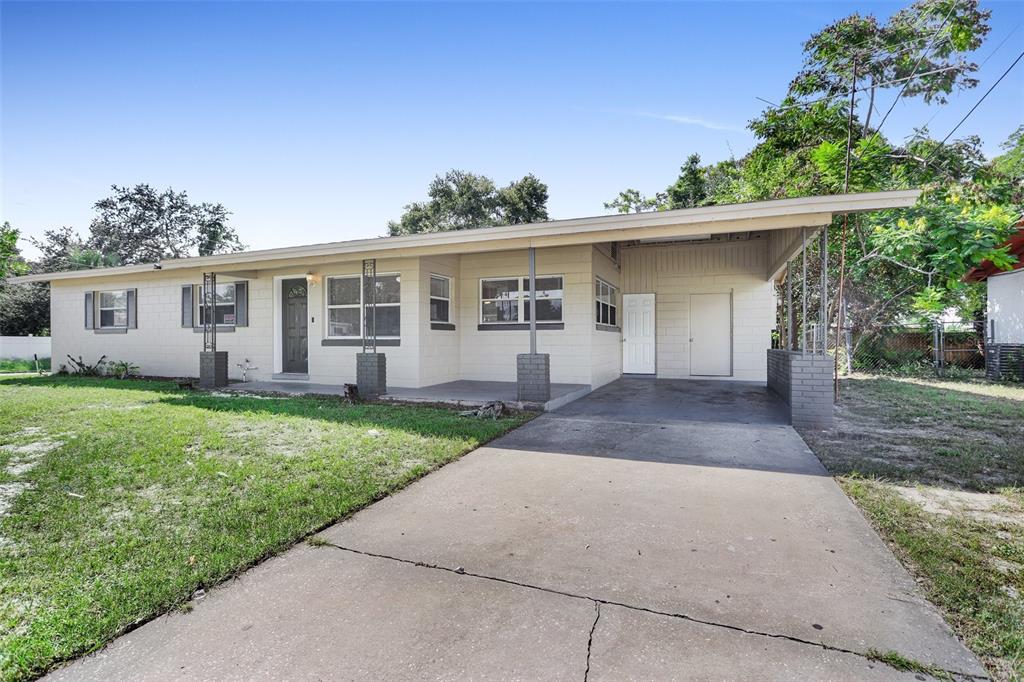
[[89, 310], [241, 304], [186, 305], [133, 317]]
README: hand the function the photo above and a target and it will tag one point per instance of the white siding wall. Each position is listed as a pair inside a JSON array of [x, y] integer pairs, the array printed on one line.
[[606, 351], [337, 364], [491, 355], [1006, 306], [674, 271], [160, 346], [579, 353], [439, 348]]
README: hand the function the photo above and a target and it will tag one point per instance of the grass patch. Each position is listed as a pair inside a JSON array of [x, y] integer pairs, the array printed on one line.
[[895, 659], [10, 366], [938, 468], [124, 497]]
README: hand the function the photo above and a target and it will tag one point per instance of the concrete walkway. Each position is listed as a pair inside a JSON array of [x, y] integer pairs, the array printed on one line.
[[652, 530]]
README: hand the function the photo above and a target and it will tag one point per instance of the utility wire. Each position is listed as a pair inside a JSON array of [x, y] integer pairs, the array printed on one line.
[[905, 79], [976, 105]]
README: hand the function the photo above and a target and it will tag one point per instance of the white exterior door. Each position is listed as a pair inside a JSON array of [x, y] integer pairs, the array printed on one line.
[[638, 334], [711, 335]]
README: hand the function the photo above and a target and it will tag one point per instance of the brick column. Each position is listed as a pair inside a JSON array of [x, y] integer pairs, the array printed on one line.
[[804, 382], [533, 377], [371, 375], [213, 369]]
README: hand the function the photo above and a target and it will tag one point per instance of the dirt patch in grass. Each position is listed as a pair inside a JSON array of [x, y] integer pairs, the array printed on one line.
[[929, 433], [938, 469]]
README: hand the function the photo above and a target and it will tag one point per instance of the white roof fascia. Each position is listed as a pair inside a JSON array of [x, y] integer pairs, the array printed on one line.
[[787, 212]]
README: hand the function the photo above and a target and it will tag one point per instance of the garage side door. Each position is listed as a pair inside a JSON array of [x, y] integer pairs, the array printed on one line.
[[711, 335], [638, 334]]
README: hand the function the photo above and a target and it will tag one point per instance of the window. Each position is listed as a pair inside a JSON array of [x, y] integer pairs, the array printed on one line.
[[113, 309], [507, 300], [389, 314], [343, 306], [224, 305], [607, 306], [440, 298], [345, 299]]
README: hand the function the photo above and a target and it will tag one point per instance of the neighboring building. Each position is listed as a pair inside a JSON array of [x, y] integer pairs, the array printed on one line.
[[1004, 316], [680, 294]]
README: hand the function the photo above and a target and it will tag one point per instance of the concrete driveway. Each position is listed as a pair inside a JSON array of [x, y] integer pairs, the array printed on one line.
[[652, 530]]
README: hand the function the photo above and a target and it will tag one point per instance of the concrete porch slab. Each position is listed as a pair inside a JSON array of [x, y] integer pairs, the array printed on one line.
[[456, 393], [474, 393]]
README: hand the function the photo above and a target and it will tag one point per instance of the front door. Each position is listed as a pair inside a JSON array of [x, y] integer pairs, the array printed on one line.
[[295, 333], [711, 335], [638, 334]]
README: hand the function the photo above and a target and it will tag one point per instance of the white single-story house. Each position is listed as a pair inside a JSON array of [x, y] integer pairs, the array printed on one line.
[[1004, 312], [680, 294]]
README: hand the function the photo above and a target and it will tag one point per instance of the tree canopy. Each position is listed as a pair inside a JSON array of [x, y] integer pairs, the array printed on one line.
[[899, 262], [459, 200], [10, 264], [133, 225]]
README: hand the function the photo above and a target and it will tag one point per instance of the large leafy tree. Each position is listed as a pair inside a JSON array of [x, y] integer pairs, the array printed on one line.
[[899, 263], [142, 225], [133, 225], [10, 264], [459, 200]]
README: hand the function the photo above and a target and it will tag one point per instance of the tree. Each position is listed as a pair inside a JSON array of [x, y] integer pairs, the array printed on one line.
[[899, 263], [690, 189], [10, 264], [459, 200], [928, 37], [142, 225]]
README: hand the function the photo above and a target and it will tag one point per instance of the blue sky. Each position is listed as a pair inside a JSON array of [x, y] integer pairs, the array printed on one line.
[[316, 122]]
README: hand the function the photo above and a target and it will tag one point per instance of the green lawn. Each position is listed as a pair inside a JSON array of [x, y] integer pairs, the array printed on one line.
[[9, 366], [938, 468], [119, 499]]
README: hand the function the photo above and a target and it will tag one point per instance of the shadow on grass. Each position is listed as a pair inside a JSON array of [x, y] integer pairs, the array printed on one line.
[[69, 381], [432, 421]]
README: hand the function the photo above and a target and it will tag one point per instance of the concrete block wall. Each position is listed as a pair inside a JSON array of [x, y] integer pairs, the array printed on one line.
[[371, 374], [804, 382], [673, 272], [533, 381]]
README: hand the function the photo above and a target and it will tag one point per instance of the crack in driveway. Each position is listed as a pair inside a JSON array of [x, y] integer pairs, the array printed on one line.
[[598, 602], [590, 639]]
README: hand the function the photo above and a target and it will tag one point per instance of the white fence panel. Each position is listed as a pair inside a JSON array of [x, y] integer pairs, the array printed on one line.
[[23, 347]]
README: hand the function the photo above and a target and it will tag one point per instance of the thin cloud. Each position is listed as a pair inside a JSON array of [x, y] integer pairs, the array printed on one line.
[[693, 121]]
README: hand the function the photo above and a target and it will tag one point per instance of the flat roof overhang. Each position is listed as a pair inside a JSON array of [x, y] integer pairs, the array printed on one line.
[[776, 214]]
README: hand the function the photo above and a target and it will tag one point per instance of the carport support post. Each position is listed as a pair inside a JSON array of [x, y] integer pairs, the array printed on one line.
[[803, 292], [823, 312], [790, 318], [533, 369]]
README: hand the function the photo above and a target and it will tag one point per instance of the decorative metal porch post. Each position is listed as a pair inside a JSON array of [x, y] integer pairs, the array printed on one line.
[[371, 366], [213, 364]]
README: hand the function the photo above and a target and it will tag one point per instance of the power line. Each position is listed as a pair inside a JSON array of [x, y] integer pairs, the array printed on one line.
[[977, 104], [864, 89]]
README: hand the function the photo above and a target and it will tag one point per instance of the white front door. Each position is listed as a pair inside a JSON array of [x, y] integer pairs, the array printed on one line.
[[711, 335], [638, 334]]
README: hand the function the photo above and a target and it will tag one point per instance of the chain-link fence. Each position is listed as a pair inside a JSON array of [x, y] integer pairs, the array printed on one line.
[[943, 348]]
